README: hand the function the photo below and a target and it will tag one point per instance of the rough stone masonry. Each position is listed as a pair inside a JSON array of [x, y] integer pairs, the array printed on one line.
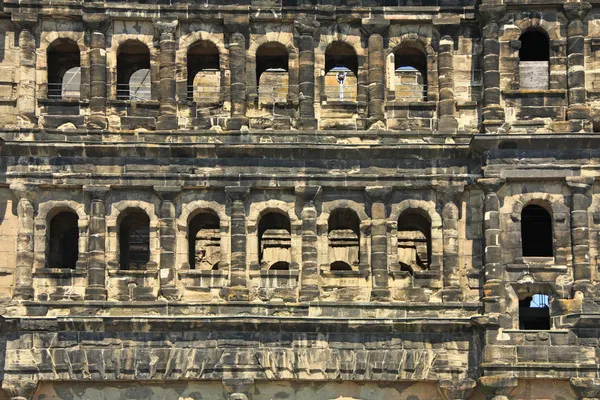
[[299, 199]]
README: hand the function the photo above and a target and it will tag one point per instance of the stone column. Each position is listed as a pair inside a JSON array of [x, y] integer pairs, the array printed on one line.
[[238, 285], [576, 12], [237, 66], [456, 389], [305, 30], [20, 387], [379, 197], [96, 25], [26, 22], [493, 113], [168, 241], [586, 388], [375, 29], [450, 196], [447, 105], [309, 278], [25, 244], [498, 387], [96, 289], [580, 234], [168, 105], [493, 270]]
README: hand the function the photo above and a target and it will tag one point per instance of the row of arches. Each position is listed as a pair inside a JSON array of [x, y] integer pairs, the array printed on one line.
[[133, 78]]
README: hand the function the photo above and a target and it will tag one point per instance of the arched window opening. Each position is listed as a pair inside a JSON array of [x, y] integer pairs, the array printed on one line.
[[414, 241], [280, 266], [64, 69], [341, 72], [204, 74], [534, 312], [63, 240], [534, 57], [272, 61], [204, 242], [134, 241], [536, 232], [133, 72], [344, 240], [410, 66], [274, 241]]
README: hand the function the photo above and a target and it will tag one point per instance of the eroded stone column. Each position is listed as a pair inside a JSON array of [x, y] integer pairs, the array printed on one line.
[[576, 12], [96, 289], [305, 30], [375, 29], [493, 113], [25, 244], [96, 25], [168, 104], [451, 273], [309, 276], [379, 196], [580, 240], [168, 241], [238, 285], [26, 92], [237, 66], [447, 105]]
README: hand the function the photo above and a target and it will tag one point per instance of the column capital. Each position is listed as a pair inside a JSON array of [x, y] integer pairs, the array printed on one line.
[[576, 11], [447, 27], [586, 388], [308, 194], [375, 26], [238, 389], [237, 193], [490, 185], [20, 388], [167, 193], [498, 385], [25, 191], [378, 194], [165, 27], [449, 192], [306, 25], [97, 192], [456, 389], [579, 184], [492, 13], [237, 25], [96, 22], [25, 19]]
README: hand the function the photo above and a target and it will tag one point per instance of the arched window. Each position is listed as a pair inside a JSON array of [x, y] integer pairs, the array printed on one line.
[[534, 57], [204, 75], [204, 241], [133, 71], [410, 76], [64, 69], [414, 241], [63, 240], [134, 240], [536, 232], [341, 72], [344, 240], [534, 312], [274, 241], [272, 73]]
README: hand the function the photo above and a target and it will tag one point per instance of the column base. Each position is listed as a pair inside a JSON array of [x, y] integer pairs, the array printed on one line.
[[23, 293], [167, 122], [97, 122], [493, 119], [380, 295], [450, 294], [235, 293], [169, 293], [308, 294], [95, 293], [308, 123], [447, 124], [376, 124], [236, 123]]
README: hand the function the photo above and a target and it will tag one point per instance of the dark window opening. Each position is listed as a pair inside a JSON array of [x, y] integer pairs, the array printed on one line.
[[133, 72], [204, 75], [410, 66], [341, 72], [204, 242], [414, 241], [534, 312], [340, 266], [274, 240], [272, 72], [63, 243], [534, 46], [280, 266], [134, 241], [536, 232], [64, 69], [344, 239]]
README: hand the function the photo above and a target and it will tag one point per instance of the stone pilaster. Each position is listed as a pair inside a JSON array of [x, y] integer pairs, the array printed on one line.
[[305, 30], [375, 29], [25, 243], [446, 105], [379, 196], [309, 278], [96, 25], [580, 234], [21, 387], [498, 387], [96, 289], [238, 286], [26, 22], [586, 388], [576, 12], [493, 113], [450, 196], [168, 104], [168, 241], [237, 66], [456, 389]]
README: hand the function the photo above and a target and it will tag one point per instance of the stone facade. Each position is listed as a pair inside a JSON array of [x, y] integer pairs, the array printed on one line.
[[263, 199]]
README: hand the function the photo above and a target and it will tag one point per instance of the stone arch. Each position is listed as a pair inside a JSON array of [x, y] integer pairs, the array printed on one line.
[[329, 207], [520, 26]]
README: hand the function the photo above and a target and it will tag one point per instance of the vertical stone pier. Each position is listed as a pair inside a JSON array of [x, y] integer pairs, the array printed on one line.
[[309, 279], [304, 31], [237, 66], [238, 285], [168, 235], [25, 245], [375, 29], [168, 104], [447, 105], [96, 289], [96, 25], [26, 22], [379, 196]]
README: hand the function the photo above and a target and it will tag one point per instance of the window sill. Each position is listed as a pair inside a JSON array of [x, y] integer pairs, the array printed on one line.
[[201, 273], [406, 104], [345, 274], [535, 92], [143, 103], [58, 272], [63, 102]]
